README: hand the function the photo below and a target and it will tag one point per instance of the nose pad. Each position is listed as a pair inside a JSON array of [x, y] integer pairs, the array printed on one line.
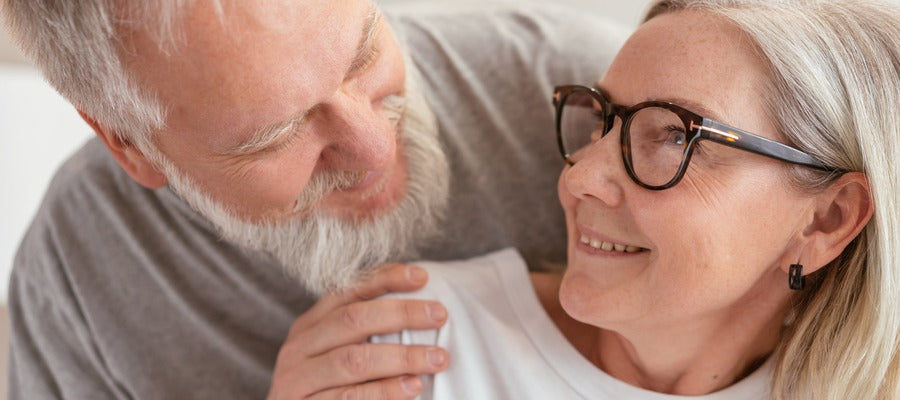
[[359, 136], [608, 147], [610, 124]]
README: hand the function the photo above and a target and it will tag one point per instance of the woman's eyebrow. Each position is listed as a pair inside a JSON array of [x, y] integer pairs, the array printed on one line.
[[691, 105]]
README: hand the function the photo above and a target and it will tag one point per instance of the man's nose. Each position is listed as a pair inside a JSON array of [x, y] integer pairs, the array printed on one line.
[[358, 135]]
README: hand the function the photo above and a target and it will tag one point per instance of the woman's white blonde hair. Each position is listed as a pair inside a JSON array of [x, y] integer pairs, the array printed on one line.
[[834, 92]]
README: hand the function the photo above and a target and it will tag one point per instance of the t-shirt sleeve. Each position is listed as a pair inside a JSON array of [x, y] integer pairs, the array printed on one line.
[[51, 352], [53, 348]]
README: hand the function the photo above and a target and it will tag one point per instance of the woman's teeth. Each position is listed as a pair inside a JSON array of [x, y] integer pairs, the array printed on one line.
[[607, 246]]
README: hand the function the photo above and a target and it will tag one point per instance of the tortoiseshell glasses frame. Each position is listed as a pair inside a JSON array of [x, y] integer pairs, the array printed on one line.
[[696, 128]]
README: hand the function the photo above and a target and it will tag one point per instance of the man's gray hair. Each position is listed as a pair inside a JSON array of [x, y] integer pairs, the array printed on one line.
[[78, 45]]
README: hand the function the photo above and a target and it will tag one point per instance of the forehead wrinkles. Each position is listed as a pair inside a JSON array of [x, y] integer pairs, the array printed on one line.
[[694, 55], [273, 39]]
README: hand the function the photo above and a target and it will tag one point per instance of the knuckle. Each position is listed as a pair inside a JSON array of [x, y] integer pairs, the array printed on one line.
[[412, 358], [361, 291], [354, 316], [356, 360], [389, 269], [411, 310]]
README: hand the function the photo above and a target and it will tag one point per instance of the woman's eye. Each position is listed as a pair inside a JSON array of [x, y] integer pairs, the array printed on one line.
[[675, 135]]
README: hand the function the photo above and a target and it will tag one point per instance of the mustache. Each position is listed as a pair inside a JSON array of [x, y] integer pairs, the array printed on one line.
[[323, 184], [393, 107]]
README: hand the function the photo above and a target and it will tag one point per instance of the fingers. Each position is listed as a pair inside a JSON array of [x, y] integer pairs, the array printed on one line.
[[367, 362], [386, 279], [324, 354], [404, 387], [354, 322]]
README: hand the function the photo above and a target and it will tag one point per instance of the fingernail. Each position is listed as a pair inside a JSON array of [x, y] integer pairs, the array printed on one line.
[[436, 312], [436, 357], [411, 384], [415, 274]]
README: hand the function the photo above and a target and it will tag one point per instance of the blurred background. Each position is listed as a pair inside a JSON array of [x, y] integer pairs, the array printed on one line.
[[40, 130], [627, 12]]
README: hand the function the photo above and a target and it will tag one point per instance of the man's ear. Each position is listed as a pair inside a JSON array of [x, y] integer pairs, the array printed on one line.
[[129, 157], [841, 213]]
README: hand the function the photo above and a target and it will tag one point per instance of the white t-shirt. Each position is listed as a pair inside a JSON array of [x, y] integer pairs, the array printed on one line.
[[503, 345]]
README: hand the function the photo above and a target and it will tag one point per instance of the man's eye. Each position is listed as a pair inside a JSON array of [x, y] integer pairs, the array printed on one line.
[[364, 63], [373, 55]]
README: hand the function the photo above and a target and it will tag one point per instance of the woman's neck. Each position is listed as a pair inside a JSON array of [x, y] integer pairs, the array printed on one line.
[[682, 360], [699, 357]]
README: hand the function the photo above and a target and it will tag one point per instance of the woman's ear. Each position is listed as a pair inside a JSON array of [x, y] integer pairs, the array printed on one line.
[[132, 160], [841, 213]]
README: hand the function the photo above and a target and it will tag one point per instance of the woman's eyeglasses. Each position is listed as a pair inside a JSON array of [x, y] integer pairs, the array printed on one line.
[[657, 138]]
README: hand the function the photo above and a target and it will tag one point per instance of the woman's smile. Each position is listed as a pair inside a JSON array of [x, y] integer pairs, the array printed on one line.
[[592, 242]]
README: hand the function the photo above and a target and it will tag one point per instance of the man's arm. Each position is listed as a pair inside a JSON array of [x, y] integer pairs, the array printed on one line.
[[326, 355]]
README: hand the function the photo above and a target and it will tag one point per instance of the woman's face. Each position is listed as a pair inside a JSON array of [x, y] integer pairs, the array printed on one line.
[[714, 245]]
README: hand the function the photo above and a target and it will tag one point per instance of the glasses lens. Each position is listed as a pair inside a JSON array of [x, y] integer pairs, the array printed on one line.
[[657, 142], [581, 122]]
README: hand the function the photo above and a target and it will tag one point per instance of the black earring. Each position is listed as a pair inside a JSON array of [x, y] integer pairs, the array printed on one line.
[[796, 280]]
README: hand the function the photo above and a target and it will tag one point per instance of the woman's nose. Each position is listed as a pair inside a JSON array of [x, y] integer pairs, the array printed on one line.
[[599, 173]]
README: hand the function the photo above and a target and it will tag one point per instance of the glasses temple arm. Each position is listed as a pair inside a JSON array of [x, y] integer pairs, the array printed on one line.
[[736, 138]]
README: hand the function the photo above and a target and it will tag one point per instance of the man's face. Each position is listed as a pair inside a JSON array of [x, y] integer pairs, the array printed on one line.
[[273, 93], [290, 128]]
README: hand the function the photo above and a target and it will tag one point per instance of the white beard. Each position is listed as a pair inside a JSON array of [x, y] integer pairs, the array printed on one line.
[[325, 253]]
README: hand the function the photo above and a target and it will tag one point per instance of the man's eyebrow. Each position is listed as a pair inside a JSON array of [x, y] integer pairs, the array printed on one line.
[[365, 50], [265, 136]]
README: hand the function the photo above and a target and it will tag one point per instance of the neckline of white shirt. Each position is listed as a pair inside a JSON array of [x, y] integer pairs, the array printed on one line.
[[581, 374]]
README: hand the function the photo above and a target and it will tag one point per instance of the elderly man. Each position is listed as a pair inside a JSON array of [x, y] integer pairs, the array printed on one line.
[[254, 155]]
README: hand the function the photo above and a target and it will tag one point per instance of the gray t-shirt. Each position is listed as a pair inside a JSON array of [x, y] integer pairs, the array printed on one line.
[[123, 292]]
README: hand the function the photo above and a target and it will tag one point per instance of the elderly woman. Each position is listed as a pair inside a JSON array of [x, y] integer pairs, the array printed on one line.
[[731, 201]]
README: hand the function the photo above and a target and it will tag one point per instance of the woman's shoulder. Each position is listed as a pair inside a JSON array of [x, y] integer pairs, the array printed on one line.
[[473, 291], [478, 276]]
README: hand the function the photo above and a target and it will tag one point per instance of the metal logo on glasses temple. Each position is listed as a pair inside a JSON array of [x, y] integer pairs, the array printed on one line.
[[728, 136]]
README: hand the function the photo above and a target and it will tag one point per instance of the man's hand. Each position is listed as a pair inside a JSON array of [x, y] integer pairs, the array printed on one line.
[[325, 355]]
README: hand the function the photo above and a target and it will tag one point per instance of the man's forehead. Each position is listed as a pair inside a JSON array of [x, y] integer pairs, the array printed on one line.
[[245, 64]]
